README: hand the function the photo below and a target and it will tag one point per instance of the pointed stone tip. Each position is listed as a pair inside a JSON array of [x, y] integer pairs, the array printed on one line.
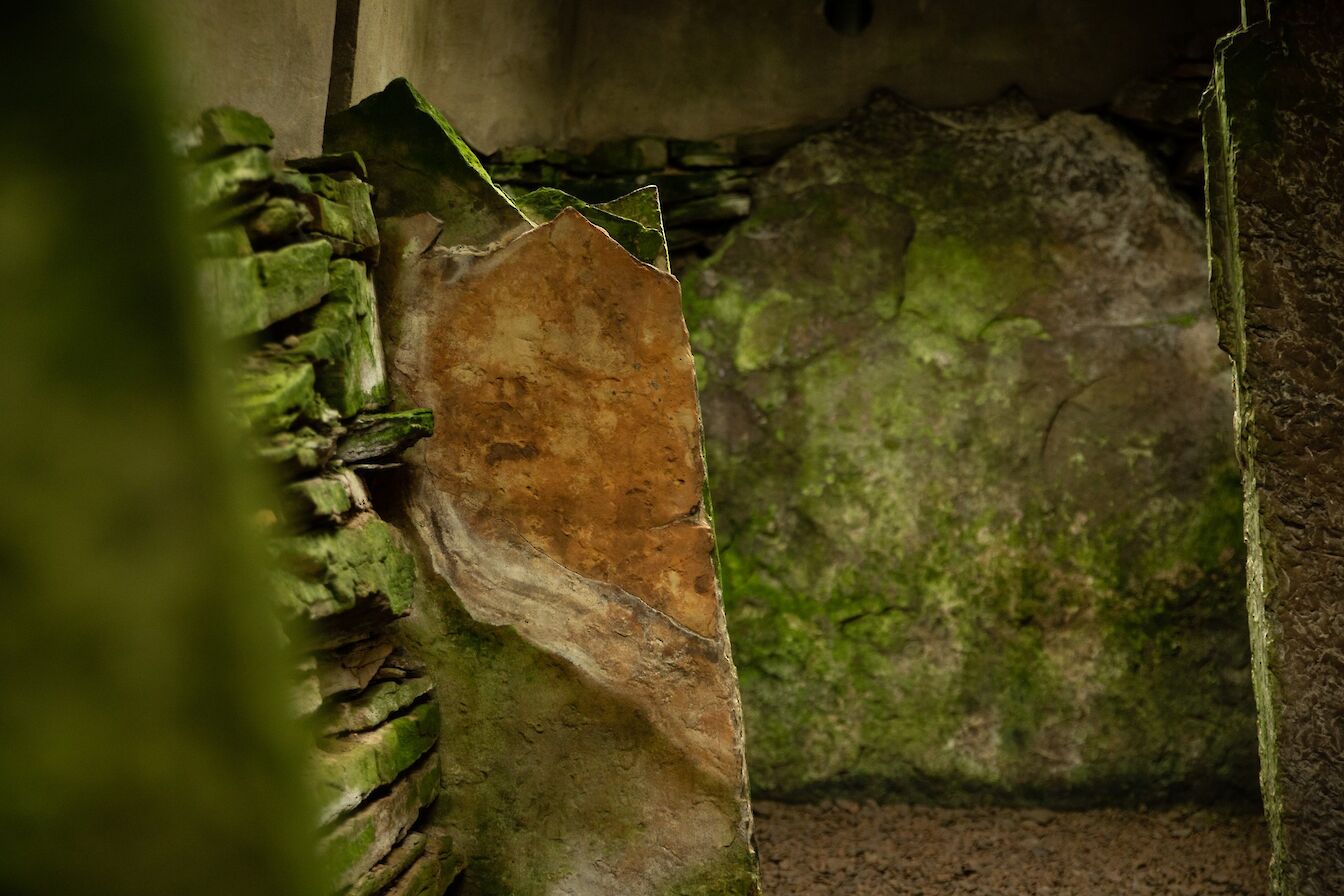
[[418, 162]]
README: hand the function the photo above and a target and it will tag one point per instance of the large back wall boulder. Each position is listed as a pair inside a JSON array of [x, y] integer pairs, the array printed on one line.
[[970, 441]]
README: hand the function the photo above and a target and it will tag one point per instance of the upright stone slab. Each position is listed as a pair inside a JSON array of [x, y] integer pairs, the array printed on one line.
[[562, 499], [966, 422], [1275, 190]]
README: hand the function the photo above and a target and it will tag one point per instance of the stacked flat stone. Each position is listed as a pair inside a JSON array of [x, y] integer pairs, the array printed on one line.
[[1162, 112], [704, 185], [284, 276]]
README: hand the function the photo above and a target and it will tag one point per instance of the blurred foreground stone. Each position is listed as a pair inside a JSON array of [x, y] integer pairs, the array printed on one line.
[[1275, 188]]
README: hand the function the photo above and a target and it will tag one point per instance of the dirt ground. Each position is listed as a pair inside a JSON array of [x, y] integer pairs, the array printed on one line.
[[840, 848]]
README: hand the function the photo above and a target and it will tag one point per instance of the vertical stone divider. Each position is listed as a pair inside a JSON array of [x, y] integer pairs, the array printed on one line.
[[285, 278], [1275, 185], [594, 744]]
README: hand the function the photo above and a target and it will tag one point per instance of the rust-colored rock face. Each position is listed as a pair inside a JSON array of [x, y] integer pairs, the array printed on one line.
[[566, 379], [562, 499]]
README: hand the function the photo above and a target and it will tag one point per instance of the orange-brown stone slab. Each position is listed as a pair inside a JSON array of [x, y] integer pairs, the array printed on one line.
[[561, 495]]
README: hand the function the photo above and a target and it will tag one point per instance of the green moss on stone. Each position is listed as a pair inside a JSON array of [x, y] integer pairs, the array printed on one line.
[[224, 128], [341, 207], [346, 341], [347, 769], [356, 844], [734, 874], [639, 239], [270, 392], [418, 163], [372, 706], [371, 436], [390, 868], [625, 156], [229, 181], [225, 242], [297, 451], [280, 219], [528, 808], [972, 546], [332, 163], [324, 497], [329, 572], [245, 295]]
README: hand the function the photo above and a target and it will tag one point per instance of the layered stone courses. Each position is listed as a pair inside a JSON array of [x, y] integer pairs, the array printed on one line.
[[285, 277]]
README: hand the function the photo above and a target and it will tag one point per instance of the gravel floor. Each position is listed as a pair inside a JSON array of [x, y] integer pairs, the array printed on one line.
[[847, 848]]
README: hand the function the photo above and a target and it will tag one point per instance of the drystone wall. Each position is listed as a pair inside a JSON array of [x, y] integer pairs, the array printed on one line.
[[285, 278], [977, 500], [706, 186], [1275, 188]]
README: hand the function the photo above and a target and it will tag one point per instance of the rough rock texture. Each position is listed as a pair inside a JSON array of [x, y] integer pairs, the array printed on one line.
[[967, 427], [1276, 185], [419, 163], [311, 369], [642, 240], [593, 740]]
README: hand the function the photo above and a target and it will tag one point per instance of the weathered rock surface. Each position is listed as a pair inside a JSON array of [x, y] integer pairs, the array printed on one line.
[[1275, 189], [973, 478], [347, 769], [302, 393], [596, 728], [373, 436], [624, 219], [244, 295], [420, 164], [352, 848]]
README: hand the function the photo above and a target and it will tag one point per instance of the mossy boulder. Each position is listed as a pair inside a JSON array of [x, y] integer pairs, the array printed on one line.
[[969, 442]]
